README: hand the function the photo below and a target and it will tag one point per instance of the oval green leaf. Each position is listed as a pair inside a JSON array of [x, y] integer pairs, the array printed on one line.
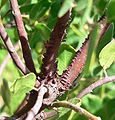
[[19, 89], [107, 55], [66, 53]]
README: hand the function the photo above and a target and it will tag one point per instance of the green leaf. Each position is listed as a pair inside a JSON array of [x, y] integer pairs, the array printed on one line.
[[67, 4], [107, 112], [19, 89], [111, 70], [2, 3], [26, 8], [21, 2], [5, 92], [43, 30], [64, 113], [92, 103], [111, 11], [107, 37], [92, 45], [107, 55], [39, 35], [87, 12], [75, 101], [55, 7], [101, 5], [39, 9], [111, 94], [66, 53]]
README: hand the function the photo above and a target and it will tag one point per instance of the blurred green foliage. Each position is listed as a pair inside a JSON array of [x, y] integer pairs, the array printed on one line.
[[39, 17]]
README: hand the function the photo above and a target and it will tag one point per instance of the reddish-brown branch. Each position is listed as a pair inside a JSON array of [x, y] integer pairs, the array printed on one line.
[[52, 47], [23, 36], [56, 37], [98, 83], [76, 67], [11, 49]]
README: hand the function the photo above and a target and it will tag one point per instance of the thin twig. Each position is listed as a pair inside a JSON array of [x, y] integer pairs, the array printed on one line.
[[23, 36], [57, 35], [98, 83], [11, 49], [76, 108]]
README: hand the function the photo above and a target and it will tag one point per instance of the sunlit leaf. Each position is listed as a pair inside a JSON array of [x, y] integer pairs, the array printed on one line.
[[2, 3], [111, 70], [107, 55], [20, 88], [67, 4], [66, 53]]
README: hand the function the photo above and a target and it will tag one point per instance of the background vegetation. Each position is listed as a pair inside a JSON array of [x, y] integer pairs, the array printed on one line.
[[39, 17]]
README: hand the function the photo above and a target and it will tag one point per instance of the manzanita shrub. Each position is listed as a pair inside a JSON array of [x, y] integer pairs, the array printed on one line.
[[53, 54]]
